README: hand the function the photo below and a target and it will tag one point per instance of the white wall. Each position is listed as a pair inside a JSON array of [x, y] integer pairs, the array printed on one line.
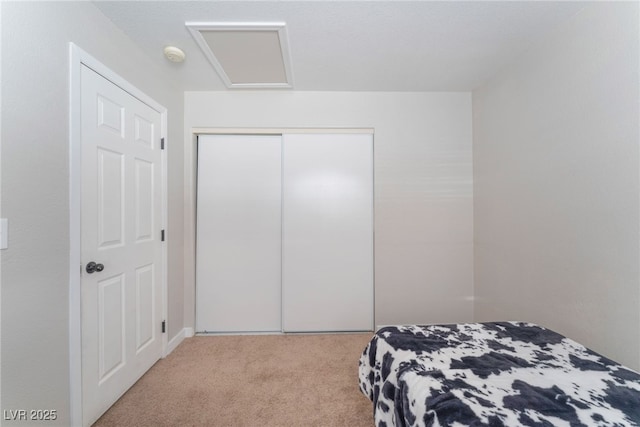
[[423, 188], [556, 185], [35, 181]]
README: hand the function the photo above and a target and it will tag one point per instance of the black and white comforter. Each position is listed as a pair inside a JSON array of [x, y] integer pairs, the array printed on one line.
[[493, 374]]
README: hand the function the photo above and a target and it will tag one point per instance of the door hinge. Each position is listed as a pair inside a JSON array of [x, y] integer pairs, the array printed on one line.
[[164, 326], [162, 236], [162, 143]]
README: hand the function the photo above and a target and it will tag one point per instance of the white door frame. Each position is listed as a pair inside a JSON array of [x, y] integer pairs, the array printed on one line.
[[78, 58], [191, 178]]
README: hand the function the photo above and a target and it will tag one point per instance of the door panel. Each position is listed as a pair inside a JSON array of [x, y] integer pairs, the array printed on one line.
[[111, 327], [144, 200], [110, 116], [121, 211], [110, 198], [239, 234], [327, 273], [145, 319], [144, 131]]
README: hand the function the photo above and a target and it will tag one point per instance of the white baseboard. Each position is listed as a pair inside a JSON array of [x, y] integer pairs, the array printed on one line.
[[175, 341]]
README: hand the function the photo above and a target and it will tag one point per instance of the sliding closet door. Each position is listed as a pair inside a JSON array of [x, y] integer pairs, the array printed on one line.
[[327, 270], [238, 280]]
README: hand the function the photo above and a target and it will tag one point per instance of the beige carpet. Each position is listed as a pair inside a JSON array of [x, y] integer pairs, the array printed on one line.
[[276, 380]]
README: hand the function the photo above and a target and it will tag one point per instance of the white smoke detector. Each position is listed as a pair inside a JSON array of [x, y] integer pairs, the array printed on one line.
[[174, 54]]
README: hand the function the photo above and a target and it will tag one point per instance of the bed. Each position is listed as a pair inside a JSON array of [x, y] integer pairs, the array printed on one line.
[[493, 374]]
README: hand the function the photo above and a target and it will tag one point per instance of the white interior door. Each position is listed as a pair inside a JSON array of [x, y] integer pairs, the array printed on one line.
[[121, 225], [327, 265], [239, 235]]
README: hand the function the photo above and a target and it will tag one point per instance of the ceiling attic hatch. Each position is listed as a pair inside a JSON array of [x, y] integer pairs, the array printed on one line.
[[246, 55]]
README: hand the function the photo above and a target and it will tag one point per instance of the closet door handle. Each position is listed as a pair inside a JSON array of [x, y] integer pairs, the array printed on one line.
[[92, 267]]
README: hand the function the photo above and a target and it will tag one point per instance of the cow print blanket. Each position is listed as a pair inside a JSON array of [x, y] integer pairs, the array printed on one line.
[[493, 374]]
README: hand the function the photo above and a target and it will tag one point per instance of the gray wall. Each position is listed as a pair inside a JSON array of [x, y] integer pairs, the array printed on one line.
[[556, 191], [35, 182], [423, 191]]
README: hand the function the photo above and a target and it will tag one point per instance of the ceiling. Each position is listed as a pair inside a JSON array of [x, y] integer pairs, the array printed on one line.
[[355, 45]]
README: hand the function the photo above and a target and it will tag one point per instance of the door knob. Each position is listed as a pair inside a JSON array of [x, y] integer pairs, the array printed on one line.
[[92, 267]]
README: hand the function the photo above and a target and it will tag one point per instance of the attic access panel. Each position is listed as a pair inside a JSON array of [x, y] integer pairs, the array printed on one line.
[[246, 55]]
